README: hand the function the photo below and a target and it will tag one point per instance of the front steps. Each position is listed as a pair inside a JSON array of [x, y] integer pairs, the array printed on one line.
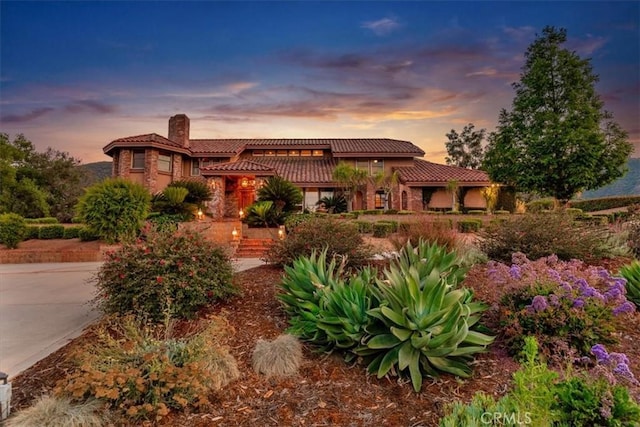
[[252, 248]]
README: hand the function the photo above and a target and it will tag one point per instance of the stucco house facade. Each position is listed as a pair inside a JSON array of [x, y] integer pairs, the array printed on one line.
[[236, 168]]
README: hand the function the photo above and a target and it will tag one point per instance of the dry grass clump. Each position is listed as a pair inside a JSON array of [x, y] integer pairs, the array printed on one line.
[[278, 358], [433, 230], [58, 412]]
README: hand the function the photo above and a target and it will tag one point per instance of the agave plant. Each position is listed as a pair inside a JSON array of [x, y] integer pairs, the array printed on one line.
[[302, 288], [344, 308], [631, 272], [425, 323]]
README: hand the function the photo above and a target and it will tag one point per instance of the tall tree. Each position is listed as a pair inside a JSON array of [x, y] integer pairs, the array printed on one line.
[[557, 140], [465, 149], [350, 179]]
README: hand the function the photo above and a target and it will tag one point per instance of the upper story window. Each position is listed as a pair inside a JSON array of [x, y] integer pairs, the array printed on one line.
[[282, 153], [164, 163], [258, 153], [362, 165], [197, 164], [305, 153], [137, 159], [377, 167], [294, 153], [317, 153]]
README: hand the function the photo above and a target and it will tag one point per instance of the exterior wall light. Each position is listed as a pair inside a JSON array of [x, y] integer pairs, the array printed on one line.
[[281, 232], [241, 213], [234, 234], [200, 214]]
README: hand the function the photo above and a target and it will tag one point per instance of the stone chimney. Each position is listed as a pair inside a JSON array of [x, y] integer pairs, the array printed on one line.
[[179, 129]]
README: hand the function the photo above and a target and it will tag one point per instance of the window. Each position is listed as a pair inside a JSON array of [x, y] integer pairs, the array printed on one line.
[[195, 167], [164, 162], [305, 153], [258, 153], [379, 200], [137, 159], [362, 165], [294, 153], [318, 153], [282, 153], [269, 153], [377, 167]]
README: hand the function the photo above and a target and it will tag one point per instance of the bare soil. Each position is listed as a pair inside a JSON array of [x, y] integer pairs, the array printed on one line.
[[326, 391]]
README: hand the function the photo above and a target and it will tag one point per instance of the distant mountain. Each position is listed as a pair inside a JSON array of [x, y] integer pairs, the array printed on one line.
[[628, 185], [98, 170]]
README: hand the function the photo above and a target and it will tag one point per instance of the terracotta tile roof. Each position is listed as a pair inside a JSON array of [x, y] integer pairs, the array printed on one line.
[[378, 147], [242, 166], [217, 146], [302, 171], [425, 172], [149, 137]]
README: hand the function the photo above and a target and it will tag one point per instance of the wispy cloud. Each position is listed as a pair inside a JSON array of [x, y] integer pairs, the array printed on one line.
[[26, 117], [92, 106], [382, 27]]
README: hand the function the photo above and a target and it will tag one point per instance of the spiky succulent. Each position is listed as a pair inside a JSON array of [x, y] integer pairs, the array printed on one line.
[[425, 323], [631, 272]]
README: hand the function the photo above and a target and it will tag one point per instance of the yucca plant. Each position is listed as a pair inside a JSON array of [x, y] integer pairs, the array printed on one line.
[[302, 288], [344, 308], [425, 323], [631, 272]]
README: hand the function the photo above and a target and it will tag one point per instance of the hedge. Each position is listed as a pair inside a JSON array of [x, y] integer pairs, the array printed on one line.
[[373, 212], [33, 232], [539, 205], [604, 203], [364, 227], [393, 224], [501, 212], [72, 232], [45, 220], [87, 235], [476, 212], [391, 212], [51, 232], [470, 225], [381, 229]]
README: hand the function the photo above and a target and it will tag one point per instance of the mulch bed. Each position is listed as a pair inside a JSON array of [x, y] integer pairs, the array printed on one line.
[[327, 391]]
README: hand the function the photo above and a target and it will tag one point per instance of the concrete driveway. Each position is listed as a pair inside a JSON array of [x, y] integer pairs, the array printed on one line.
[[42, 307]]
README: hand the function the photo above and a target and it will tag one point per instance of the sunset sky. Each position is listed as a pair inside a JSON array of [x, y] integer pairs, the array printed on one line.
[[76, 75]]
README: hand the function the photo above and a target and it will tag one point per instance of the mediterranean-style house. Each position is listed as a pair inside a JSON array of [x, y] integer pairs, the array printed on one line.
[[236, 168]]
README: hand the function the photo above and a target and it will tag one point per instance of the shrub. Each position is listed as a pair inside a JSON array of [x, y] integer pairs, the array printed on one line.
[[364, 227], [631, 273], [501, 212], [633, 230], [165, 222], [427, 229], [146, 372], [540, 235], [87, 235], [348, 215], [424, 323], [285, 196], [278, 358], [172, 201], [382, 229], [72, 232], [470, 225], [560, 303], [51, 232], [391, 212], [392, 223], [295, 219], [13, 230], [167, 275], [604, 203], [476, 212], [198, 191], [339, 237], [33, 231], [406, 212], [536, 206], [574, 212], [45, 220], [60, 412], [373, 212], [114, 209]]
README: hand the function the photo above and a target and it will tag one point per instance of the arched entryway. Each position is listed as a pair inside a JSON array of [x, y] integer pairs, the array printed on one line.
[[358, 201]]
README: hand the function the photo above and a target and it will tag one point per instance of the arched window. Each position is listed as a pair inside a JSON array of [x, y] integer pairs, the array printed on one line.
[[405, 202]]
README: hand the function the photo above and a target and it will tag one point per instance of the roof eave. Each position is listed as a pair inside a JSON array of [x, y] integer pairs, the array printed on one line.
[[149, 144]]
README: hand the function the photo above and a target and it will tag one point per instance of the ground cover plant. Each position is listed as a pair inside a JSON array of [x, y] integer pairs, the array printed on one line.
[[164, 275]]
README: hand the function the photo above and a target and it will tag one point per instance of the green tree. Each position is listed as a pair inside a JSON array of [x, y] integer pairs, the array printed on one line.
[[350, 179], [465, 149], [557, 140], [47, 183]]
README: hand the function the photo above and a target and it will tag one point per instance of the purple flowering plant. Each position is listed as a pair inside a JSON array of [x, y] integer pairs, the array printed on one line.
[[558, 300]]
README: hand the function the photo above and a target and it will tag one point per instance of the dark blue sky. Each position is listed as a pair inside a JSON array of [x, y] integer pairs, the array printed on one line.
[[76, 75]]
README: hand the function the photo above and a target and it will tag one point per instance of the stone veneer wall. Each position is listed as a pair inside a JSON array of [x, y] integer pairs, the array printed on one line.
[[151, 170], [215, 206]]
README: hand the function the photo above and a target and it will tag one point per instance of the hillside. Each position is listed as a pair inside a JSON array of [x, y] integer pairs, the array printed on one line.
[[99, 170], [628, 185]]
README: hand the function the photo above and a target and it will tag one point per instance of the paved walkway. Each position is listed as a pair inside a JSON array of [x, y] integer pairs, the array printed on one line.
[[44, 306]]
